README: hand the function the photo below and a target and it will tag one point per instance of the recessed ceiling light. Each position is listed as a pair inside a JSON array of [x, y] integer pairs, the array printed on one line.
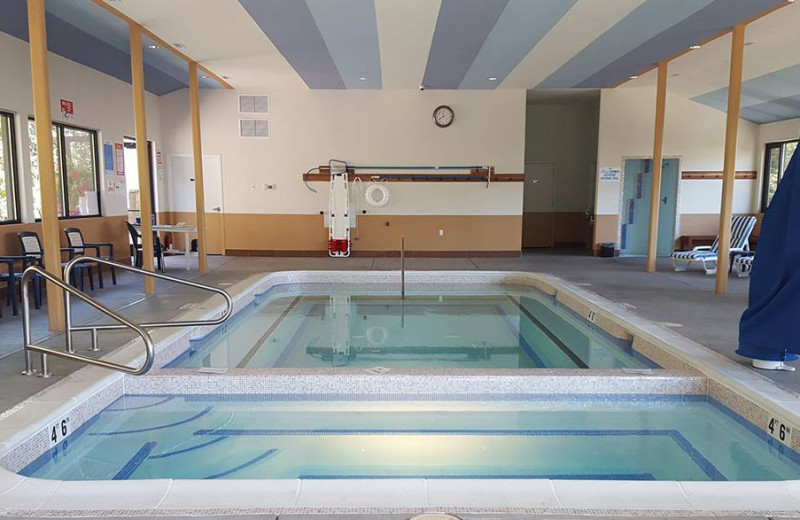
[[694, 47], [205, 76], [632, 77], [492, 79], [153, 46], [362, 79]]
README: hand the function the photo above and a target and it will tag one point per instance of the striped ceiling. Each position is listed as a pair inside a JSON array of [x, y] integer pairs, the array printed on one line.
[[86, 33], [477, 44]]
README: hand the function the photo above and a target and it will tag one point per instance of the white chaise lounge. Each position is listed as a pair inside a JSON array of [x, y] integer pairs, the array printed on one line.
[[741, 228]]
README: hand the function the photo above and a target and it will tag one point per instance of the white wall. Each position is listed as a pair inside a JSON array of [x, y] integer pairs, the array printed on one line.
[[693, 132], [565, 134], [102, 103], [361, 127]]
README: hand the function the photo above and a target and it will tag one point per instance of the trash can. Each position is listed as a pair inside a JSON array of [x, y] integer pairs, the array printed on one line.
[[607, 249]]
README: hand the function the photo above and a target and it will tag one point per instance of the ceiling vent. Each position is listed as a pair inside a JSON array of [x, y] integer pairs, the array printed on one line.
[[253, 104], [257, 128]]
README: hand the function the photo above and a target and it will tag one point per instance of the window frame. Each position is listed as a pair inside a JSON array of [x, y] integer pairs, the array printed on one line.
[[59, 126], [14, 168], [782, 164]]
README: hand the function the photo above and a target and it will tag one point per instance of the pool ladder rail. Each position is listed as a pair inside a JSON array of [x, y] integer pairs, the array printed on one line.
[[123, 322]]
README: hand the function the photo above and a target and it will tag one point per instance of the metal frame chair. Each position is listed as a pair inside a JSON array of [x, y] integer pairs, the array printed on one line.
[[78, 246], [31, 248]]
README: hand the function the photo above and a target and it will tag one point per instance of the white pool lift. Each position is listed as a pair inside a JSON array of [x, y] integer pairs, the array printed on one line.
[[339, 210]]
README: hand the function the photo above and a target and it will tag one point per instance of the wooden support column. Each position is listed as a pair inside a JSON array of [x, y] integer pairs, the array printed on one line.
[[729, 166], [658, 156], [140, 125], [40, 79], [197, 153]]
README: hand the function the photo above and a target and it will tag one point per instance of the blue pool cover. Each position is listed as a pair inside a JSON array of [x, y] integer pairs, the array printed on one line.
[[770, 328]]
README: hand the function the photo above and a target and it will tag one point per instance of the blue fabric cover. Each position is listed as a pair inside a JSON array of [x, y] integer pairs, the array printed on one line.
[[770, 327]]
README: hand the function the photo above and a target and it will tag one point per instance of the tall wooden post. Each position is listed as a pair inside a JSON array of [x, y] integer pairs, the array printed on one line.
[[40, 79], [658, 154], [729, 167], [140, 125], [197, 153]]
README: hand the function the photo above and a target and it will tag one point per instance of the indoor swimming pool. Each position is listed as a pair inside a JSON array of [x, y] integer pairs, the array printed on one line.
[[373, 328], [557, 437]]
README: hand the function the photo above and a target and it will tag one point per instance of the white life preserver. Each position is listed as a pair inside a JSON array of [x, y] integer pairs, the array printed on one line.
[[377, 335], [371, 192]]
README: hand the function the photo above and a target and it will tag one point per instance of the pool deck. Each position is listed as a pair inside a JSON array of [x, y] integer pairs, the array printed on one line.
[[684, 301]]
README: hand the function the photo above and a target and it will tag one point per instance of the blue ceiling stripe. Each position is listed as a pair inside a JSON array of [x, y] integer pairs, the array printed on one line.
[[520, 27], [775, 110], [713, 19], [767, 98], [291, 27], [461, 29], [72, 43], [350, 31], [652, 17]]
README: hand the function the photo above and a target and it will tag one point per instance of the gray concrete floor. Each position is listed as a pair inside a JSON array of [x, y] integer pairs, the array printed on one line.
[[686, 299]]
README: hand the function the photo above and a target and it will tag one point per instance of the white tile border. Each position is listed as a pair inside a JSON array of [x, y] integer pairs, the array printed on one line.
[[26, 496]]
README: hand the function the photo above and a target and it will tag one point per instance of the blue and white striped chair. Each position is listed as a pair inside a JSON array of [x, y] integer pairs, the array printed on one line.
[[743, 264], [741, 227]]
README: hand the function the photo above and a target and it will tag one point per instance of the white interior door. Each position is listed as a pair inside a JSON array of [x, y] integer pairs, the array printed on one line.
[[182, 202]]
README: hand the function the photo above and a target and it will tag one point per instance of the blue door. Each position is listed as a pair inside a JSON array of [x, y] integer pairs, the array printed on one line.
[[635, 213]]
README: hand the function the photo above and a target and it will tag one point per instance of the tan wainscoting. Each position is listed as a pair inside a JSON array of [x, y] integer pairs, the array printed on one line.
[[215, 229], [558, 229], [605, 230], [708, 224], [94, 229], [305, 235]]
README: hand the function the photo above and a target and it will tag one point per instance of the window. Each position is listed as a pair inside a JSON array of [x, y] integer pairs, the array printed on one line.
[[9, 202], [775, 162], [75, 160]]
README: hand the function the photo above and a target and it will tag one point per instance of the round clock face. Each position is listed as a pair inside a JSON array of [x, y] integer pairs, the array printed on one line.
[[443, 116]]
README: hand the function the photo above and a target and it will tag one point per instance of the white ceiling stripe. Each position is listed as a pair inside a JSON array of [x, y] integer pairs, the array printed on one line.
[[583, 24], [405, 33]]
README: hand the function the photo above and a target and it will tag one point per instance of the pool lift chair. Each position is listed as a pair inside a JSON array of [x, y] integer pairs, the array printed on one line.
[[338, 211]]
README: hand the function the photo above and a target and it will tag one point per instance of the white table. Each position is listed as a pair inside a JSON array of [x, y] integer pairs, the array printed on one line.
[[168, 228]]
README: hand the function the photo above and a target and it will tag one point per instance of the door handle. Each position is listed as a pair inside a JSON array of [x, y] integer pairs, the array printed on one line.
[[664, 200], [217, 208]]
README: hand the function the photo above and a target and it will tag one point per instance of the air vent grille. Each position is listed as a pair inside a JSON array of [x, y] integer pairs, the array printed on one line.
[[254, 104], [258, 128]]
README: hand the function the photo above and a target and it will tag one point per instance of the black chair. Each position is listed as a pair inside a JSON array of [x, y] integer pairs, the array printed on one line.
[[32, 249], [136, 248], [78, 246], [12, 278]]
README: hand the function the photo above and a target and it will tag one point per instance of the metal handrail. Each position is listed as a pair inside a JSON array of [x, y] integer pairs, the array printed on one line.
[[124, 323], [32, 271], [95, 328], [403, 267]]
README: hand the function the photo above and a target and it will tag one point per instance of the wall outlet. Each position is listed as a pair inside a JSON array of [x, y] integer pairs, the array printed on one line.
[[441, 232], [268, 187]]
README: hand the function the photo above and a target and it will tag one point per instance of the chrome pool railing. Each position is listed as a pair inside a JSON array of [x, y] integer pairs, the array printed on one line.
[[403, 267], [123, 323]]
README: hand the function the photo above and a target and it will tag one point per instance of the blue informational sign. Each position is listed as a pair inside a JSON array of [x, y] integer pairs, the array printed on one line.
[[108, 157]]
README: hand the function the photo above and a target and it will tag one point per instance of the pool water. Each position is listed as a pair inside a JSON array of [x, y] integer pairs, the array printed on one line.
[[207, 437], [323, 327]]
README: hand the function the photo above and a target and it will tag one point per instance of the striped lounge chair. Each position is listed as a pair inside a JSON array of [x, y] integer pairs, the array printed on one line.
[[741, 227], [743, 263]]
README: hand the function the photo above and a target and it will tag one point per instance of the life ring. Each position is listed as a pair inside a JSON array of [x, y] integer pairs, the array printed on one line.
[[372, 190], [377, 335]]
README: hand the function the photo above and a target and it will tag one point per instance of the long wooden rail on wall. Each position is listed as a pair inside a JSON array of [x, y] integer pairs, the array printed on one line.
[[475, 175], [698, 175]]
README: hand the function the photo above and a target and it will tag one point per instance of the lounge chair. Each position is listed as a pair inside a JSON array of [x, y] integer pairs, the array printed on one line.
[[743, 263], [741, 228]]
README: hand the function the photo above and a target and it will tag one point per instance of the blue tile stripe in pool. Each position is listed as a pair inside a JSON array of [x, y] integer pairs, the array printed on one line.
[[187, 450], [550, 335], [135, 461], [523, 343], [240, 467], [141, 407], [703, 463], [548, 476], [159, 427]]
